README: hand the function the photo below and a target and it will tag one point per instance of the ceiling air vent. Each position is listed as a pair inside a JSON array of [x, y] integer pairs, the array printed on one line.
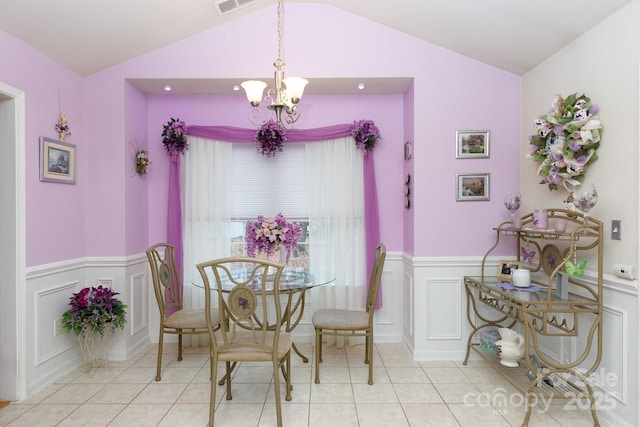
[[226, 6]]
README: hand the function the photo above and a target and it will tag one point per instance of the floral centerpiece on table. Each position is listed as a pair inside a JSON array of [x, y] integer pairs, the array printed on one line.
[[174, 138], [366, 134], [268, 235], [270, 138], [94, 311], [566, 141], [142, 161]]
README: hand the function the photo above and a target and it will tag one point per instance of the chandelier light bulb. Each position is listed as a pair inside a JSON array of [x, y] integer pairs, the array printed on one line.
[[295, 88], [254, 90]]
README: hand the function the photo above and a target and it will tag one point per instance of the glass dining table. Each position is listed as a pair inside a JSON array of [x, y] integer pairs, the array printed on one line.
[[294, 284]]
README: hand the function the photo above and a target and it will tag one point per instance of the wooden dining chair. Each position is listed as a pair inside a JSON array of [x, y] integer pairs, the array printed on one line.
[[348, 323], [174, 318], [253, 321]]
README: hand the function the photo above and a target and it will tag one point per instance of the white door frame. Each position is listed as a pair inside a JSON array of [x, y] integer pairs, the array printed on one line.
[[13, 380]]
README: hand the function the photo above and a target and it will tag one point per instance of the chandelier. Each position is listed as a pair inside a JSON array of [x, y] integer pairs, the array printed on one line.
[[284, 99]]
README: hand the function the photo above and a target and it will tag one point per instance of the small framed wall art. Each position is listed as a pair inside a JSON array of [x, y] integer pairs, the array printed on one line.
[[472, 144], [505, 268], [472, 187], [57, 161]]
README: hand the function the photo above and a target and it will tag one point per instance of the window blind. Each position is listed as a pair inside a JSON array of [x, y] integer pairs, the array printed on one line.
[[268, 185]]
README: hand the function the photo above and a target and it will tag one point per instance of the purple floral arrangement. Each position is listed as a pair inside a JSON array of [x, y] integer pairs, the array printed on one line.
[[565, 141], [270, 138], [366, 133], [267, 235], [93, 310], [174, 138]]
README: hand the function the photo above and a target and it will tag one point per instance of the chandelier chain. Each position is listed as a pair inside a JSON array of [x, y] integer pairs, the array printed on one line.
[[280, 29]]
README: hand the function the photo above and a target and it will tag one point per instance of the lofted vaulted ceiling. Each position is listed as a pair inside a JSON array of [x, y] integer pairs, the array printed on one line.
[[88, 36]]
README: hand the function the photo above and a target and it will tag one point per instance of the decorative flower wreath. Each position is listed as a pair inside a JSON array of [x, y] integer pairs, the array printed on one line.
[[269, 234], [270, 138], [174, 138], [365, 133], [142, 161], [566, 141]]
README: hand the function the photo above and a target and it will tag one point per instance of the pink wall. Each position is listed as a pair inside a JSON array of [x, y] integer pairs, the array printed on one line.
[[137, 214], [55, 212], [110, 207]]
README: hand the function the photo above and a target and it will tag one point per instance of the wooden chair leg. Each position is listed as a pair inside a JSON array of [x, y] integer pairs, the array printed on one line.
[[212, 398], [318, 354], [369, 351], [287, 381], [276, 389], [227, 375], [160, 344], [228, 380], [366, 349]]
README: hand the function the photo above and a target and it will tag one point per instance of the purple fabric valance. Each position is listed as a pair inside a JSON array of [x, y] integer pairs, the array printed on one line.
[[234, 134]]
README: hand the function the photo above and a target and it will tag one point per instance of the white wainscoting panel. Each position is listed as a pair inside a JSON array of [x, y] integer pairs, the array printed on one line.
[[408, 316], [611, 376], [47, 345], [139, 307], [444, 312], [385, 315]]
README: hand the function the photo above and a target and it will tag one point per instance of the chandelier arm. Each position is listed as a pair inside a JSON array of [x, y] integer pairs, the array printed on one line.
[[255, 115]]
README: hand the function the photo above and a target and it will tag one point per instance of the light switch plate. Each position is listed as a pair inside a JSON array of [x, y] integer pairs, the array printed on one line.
[[616, 229]]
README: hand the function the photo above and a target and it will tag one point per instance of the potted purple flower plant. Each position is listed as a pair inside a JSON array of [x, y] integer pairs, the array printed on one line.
[[94, 311], [94, 315]]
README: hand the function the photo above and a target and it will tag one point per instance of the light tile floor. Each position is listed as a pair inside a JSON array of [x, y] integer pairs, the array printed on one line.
[[405, 393]]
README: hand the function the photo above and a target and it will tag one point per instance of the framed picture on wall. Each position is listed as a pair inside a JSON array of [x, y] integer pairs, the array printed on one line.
[[57, 161], [472, 187], [472, 144]]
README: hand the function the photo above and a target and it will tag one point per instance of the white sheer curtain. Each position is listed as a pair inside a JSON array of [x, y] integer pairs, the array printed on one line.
[[336, 217], [206, 208]]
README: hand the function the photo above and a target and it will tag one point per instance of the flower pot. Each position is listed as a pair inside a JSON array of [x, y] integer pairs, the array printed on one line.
[[95, 349]]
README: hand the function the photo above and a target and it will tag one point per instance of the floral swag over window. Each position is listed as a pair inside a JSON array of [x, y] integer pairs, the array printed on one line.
[[566, 140], [366, 134], [271, 136], [174, 138]]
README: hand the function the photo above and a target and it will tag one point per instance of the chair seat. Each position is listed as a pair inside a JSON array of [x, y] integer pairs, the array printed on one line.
[[338, 320], [240, 353], [191, 319]]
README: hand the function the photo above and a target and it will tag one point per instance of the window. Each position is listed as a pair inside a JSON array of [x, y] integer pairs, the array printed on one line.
[[268, 186]]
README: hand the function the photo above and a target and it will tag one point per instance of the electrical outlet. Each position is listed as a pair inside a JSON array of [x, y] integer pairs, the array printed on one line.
[[624, 271], [57, 327]]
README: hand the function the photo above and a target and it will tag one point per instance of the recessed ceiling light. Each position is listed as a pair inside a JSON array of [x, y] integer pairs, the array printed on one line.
[[361, 86], [236, 88], [167, 88]]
